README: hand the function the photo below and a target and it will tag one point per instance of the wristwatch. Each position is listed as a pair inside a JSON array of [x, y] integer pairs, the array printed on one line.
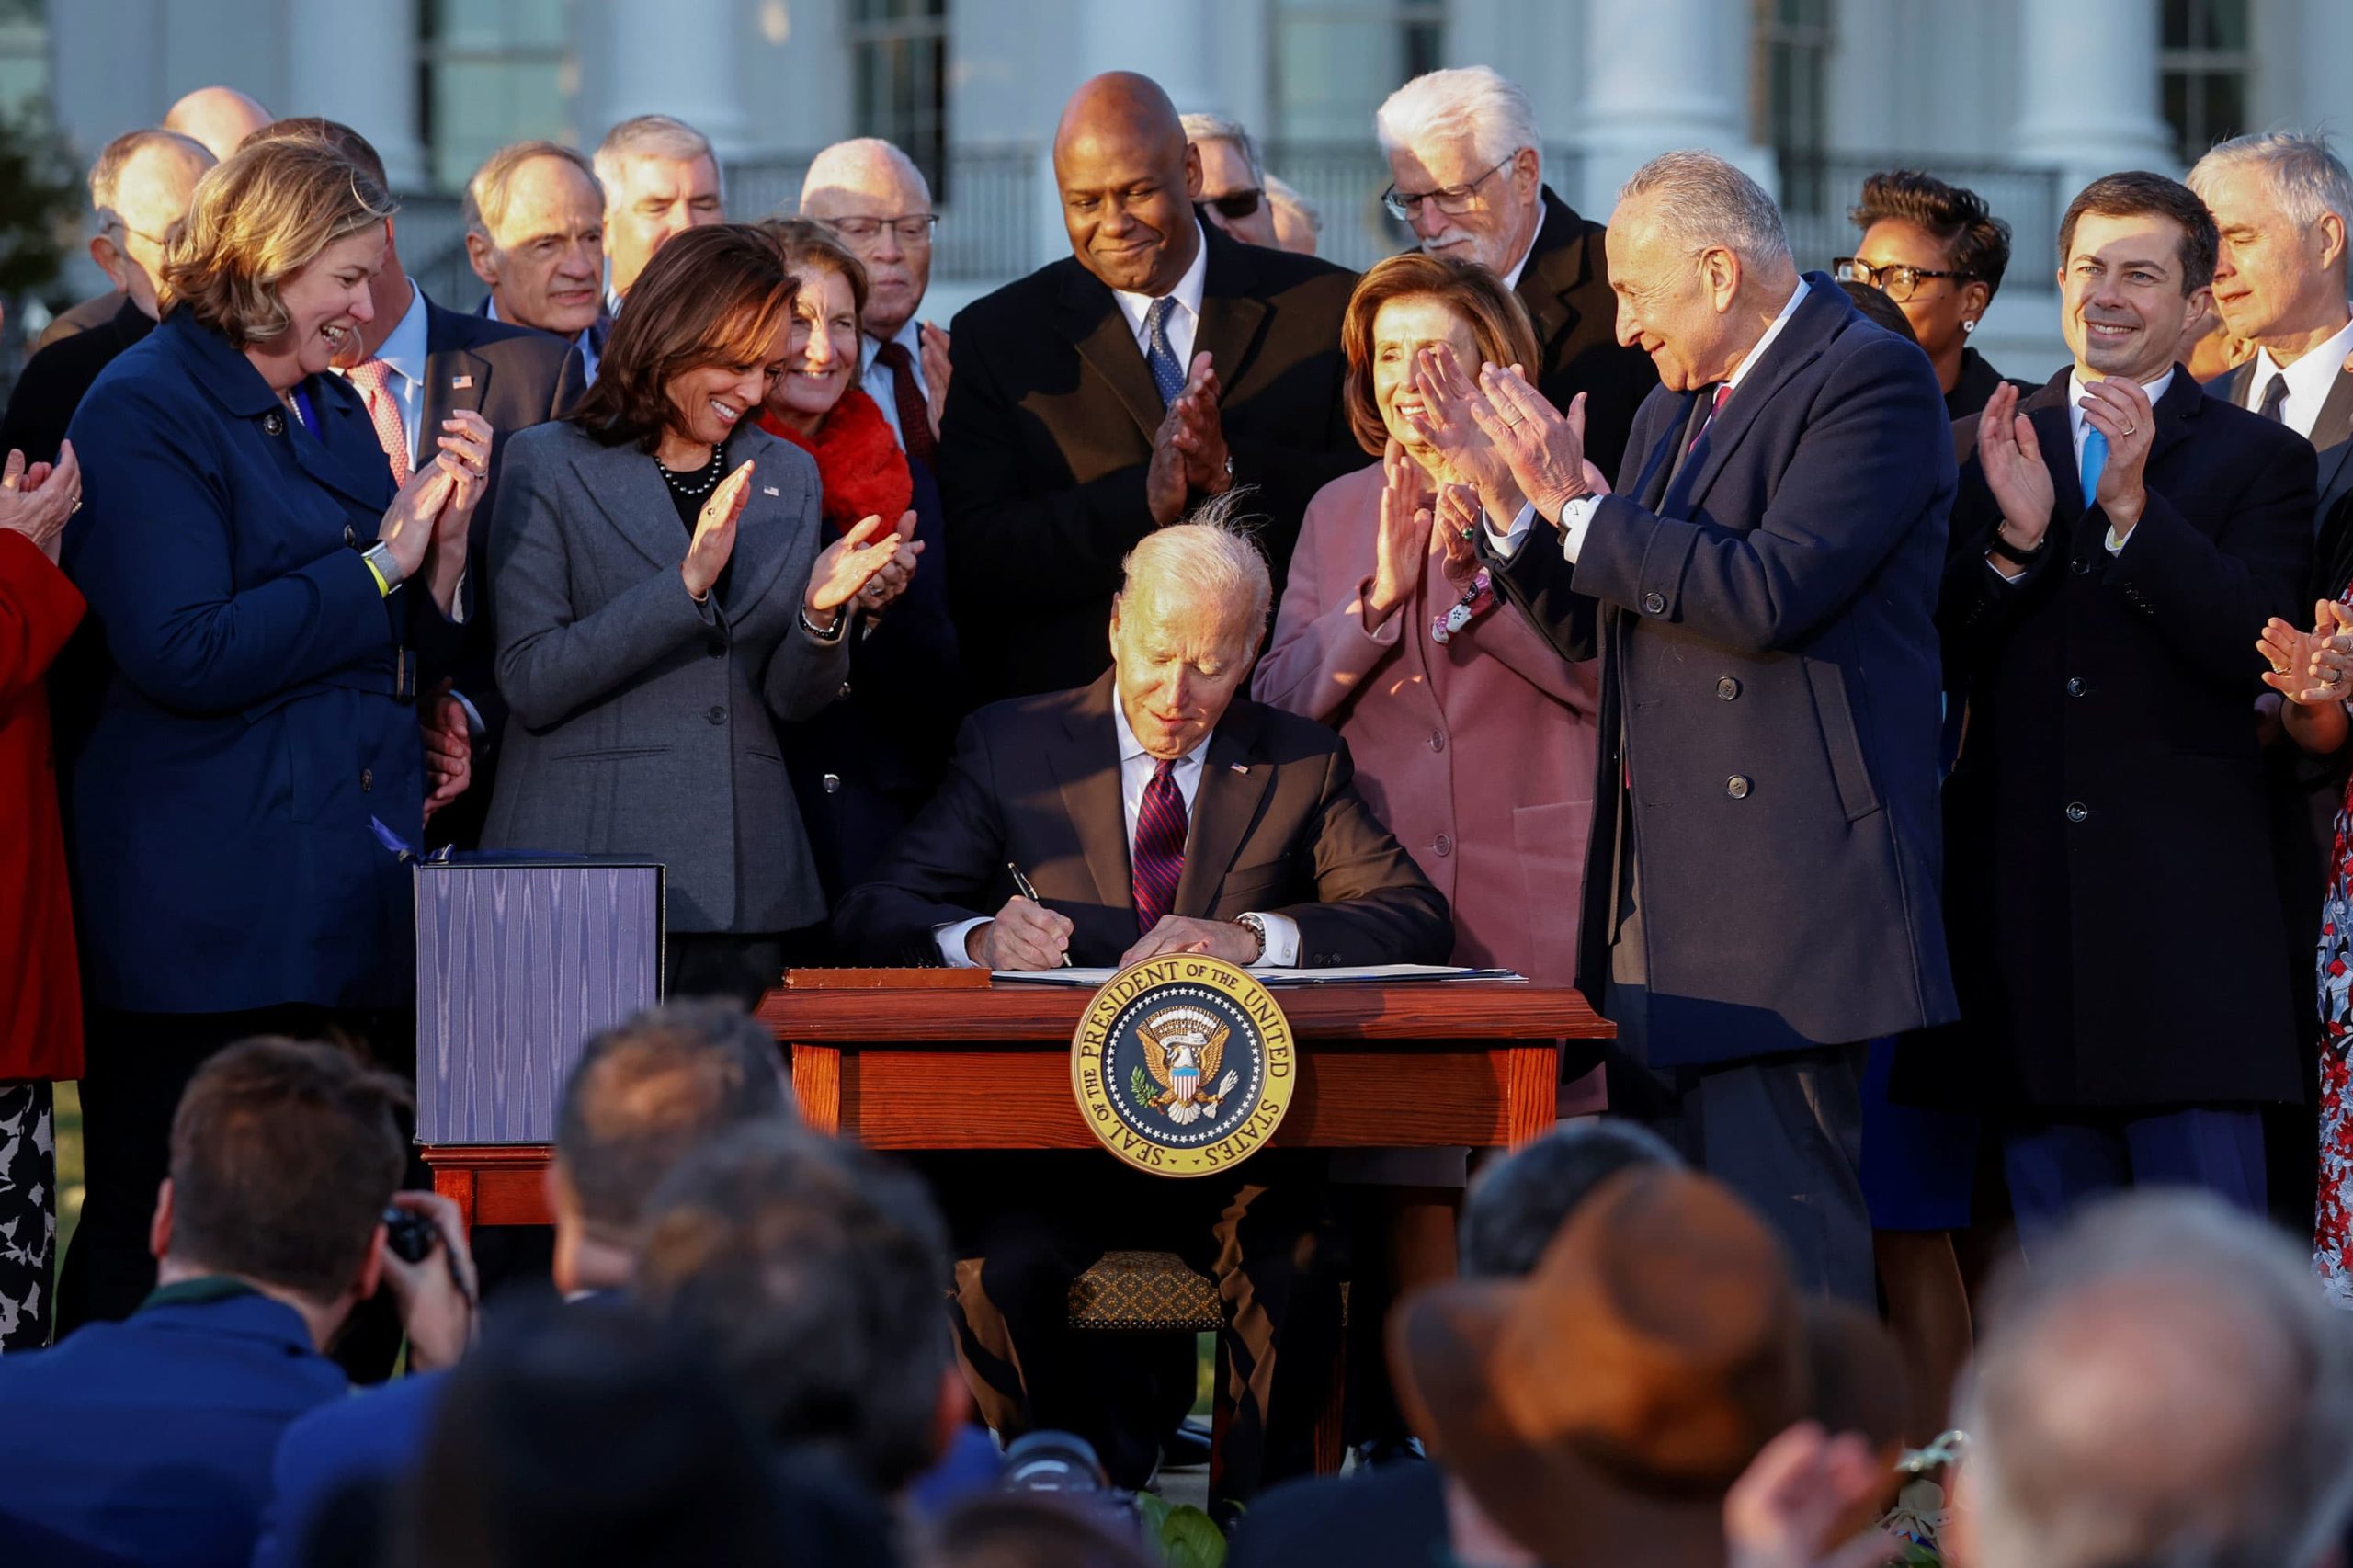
[[2013, 555], [379, 556], [1257, 928], [825, 633]]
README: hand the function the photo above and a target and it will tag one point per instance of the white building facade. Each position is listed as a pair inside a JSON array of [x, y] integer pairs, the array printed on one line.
[[2023, 101]]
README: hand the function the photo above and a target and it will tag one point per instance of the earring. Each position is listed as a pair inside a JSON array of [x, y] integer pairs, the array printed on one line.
[[1969, 326]]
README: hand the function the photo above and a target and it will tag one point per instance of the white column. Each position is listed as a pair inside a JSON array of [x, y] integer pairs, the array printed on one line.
[[680, 58], [2087, 90], [1662, 76], [356, 61]]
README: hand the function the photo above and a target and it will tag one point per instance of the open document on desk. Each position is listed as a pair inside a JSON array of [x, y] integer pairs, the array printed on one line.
[[1382, 974]]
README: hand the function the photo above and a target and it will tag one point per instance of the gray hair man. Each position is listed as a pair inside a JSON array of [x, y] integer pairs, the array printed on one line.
[[220, 118], [1785, 491], [2283, 204], [661, 178], [1233, 179], [535, 234], [873, 196], [1299, 225], [2165, 1385], [1466, 170]]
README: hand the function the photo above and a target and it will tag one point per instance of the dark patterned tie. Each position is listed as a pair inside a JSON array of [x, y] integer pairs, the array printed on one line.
[[914, 409], [1159, 858], [2275, 393], [1167, 374]]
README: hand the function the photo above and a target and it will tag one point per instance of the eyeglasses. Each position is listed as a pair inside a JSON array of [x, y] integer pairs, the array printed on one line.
[[1453, 200], [1896, 281], [1236, 204], [912, 229]]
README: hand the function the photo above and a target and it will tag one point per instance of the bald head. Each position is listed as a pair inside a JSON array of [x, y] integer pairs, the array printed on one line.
[[868, 192], [1127, 182], [221, 118], [140, 188]]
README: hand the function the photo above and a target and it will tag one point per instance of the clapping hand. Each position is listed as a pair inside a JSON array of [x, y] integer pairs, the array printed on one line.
[[2119, 409], [449, 751], [35, 501], [936, 369], [1458, 529], [714, 539], [851, 561], [1446, 423], [2310, 668], [1188, 450], [1792, 1497], [1545, 448], [892, 580], [1404, 538], [2011, 460]]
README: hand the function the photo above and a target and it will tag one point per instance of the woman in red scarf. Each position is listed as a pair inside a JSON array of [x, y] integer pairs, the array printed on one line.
[[862, 766]]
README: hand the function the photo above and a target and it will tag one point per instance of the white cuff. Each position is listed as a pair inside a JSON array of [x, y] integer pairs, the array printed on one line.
[[1575, 517], [458, 614], [951, 942], [2115, 545], [476, 730], [1506, 542], [1282, 942], [2005, 576]]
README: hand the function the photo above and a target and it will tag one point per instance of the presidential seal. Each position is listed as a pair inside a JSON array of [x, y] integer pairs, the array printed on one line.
[[1183, 1064]]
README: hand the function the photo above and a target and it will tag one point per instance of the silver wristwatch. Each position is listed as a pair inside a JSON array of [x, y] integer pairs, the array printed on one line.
[[379, 556], [1257, 928]]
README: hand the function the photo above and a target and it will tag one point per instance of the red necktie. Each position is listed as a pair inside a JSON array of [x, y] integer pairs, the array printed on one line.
[[1159, 858], [915, 410], [1723, 392], [373, 377]]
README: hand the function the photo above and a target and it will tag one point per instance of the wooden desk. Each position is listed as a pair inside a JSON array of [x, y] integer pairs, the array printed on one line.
[[1407, 1064]]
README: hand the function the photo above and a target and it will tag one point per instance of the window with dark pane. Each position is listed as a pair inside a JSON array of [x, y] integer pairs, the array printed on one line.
[[899, 71], [1790, 95], [2206, 65], [493, 71]]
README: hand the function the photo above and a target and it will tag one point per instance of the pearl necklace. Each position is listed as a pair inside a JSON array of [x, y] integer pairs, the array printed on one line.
[[709, 473]]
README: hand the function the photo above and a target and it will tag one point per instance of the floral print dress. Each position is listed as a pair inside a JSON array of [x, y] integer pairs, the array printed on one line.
[[2333, 1216]]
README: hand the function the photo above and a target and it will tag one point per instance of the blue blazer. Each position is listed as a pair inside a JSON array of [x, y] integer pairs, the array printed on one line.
[[376, 1435], [238, 719], [151, 1439], [1770, 674]]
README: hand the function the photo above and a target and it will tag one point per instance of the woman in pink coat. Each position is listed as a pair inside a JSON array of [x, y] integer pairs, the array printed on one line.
[[1474, 740]]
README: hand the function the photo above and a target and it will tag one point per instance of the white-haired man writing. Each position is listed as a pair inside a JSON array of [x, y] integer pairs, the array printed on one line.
[[873, 196], [661, 178], [1466, 167], [1156, 810]]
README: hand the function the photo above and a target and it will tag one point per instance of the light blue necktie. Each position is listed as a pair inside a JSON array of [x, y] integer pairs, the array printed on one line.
[[2095, 459], [1167, 374]]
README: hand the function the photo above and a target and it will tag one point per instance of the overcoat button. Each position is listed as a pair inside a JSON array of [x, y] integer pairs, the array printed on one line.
[[1654, 604], [1727, 688], [1443, 845], [2077, 810], [1737, 786], [2079, 566], [833, 783], [717, 715], [273, 423], [366, 779], [2075, 686]]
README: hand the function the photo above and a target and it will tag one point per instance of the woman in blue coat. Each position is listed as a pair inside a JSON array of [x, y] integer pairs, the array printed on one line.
[[242, 758]]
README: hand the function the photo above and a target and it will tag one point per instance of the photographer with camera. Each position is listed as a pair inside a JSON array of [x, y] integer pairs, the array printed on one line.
[[150, 1440]]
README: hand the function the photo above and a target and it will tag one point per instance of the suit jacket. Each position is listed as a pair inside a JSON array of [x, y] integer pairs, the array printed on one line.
[[1565, 286], [2115, 930], [94, 312], [375, 1435], [1393, 1517], [515, 377], [2332, 439], [1770, 679], [1277, 827], [40, 985], [151, 1439], [56, 379], [599, 330], [1048, 434], [1979, 380], [244, 716], [640, 722]]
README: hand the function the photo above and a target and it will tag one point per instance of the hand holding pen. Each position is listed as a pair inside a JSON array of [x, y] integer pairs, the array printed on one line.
[[1025, 934]]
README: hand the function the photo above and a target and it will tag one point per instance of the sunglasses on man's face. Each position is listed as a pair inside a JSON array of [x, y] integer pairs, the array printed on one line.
[[1236, 204]]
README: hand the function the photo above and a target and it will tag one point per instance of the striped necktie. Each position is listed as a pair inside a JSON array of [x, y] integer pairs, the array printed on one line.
[[1159, 858]]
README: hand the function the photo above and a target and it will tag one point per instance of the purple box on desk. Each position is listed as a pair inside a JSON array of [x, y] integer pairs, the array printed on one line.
[[519, 962]]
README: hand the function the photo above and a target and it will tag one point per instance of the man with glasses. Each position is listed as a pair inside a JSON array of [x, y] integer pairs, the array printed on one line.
[[140, 186], [1233, 179], [873, 196], [1466, 169]]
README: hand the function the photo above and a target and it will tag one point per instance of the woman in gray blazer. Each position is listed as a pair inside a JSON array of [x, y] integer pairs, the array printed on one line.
[[662, 601]]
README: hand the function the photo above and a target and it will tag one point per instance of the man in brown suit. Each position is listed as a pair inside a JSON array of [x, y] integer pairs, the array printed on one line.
[[1154, 812]]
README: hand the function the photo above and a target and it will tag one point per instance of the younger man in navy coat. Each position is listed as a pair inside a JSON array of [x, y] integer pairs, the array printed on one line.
[[150, 1440]]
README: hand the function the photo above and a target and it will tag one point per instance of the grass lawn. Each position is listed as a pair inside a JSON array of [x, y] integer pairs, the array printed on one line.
[[67, 1123]]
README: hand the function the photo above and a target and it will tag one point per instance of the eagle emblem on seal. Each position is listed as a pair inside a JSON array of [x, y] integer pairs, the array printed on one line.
[[1182, 1049]]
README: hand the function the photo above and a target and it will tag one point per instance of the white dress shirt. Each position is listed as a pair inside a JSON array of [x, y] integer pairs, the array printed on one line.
[[879, 383], [2309, 381], [1136, 768], [2076, 426], [1185, 321], [587, 350], [1577, 515], [1511, 279]]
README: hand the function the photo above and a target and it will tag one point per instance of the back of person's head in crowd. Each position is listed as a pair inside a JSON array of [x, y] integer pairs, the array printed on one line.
[[644, 1095], [535, 235], [1298, 222], [708, 318], [1520, 1202], [661, 178], [256, 223], [218, 118], [389, 291], [1233, 177], [814, 1271], [2164, 1385], [1466, 165], [1031, 1530], [1185, 624], [283, 1158], [600, 1438], [1599, 1409], [139, 188], [878, 203], [1878, 310]]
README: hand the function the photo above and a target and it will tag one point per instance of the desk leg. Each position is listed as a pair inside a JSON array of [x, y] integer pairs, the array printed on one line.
[[1531, 1086], [456, 1183], [817, 1085]]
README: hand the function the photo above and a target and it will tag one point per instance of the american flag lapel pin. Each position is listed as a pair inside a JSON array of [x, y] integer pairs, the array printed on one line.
[[770, 490], [1239, 766], [459, 383]]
